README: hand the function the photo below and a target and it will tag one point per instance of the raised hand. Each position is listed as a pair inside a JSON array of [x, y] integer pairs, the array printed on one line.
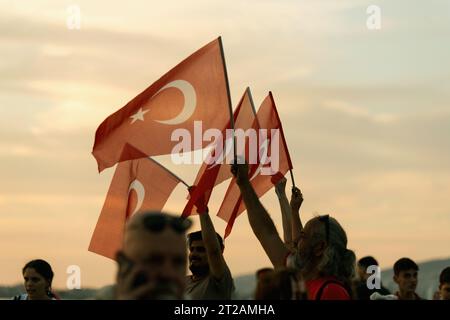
[[280, 186], [240, 172], [200, 204], [296, 199]]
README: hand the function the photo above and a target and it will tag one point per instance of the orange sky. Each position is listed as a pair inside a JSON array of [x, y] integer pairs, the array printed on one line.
[[366, 116]]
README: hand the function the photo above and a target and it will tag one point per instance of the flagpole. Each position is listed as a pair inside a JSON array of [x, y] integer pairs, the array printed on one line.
[[251, 100], [230, 108], [170, 172], [284, 139], [292, 178]]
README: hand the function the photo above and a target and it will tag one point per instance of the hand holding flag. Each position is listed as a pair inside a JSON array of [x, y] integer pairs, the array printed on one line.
[[200, 203], [267, 118]]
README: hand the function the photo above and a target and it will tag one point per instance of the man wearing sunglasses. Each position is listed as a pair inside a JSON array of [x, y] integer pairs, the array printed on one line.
[[152, 262], [211, 278], [321, 255]]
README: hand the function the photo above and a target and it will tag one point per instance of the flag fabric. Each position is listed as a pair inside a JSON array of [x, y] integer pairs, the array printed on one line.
[[137, 186], [244, 116], [194, 95], [267, 118], [212, 174]]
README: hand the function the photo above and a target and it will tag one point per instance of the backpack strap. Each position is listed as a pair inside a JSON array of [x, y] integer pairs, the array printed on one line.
[[322, 287]]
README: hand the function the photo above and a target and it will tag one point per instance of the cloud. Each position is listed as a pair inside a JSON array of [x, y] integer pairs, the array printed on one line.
[[358, 112], [39, 50], [365, 115]]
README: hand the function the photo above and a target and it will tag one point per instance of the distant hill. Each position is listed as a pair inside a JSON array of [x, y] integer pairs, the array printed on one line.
[[11, 291], [428, 280], [245, 284]]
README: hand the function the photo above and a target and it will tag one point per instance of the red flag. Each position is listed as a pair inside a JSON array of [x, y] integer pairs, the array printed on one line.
[[137, 186], [193, 95], [264, 174], [213, 174]]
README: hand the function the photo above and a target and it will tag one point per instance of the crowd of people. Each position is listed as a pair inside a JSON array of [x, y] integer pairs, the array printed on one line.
[[310, 262]]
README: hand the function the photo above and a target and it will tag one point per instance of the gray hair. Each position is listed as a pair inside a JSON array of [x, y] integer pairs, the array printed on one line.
[[337, 260]]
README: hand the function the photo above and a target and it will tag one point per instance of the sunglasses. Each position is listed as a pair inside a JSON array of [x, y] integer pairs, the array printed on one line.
[[326, 219], [158, 222]]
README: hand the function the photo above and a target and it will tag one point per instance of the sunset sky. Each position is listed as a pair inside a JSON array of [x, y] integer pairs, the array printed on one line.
[[366, 115]]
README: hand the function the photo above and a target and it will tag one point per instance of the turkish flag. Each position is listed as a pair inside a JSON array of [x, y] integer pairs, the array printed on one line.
[[212, 174], [137, 186], [195, 92], [273, 162]]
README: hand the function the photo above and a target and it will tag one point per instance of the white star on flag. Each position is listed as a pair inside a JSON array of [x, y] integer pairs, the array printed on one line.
[[138, 115]]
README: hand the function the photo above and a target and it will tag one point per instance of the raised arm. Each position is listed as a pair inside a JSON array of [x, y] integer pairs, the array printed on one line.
[[217, 264], [260, 221], [286, 215], [296, 203]]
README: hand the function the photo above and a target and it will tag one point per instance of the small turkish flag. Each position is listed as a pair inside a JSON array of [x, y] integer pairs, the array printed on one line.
[[137, 186]]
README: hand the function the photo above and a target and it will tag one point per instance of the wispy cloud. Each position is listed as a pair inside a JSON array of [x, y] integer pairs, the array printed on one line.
[[358, 112], [365, 115]]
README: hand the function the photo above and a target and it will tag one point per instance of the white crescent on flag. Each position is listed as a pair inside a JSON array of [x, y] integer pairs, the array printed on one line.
[[137, 186], [190, 101]]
